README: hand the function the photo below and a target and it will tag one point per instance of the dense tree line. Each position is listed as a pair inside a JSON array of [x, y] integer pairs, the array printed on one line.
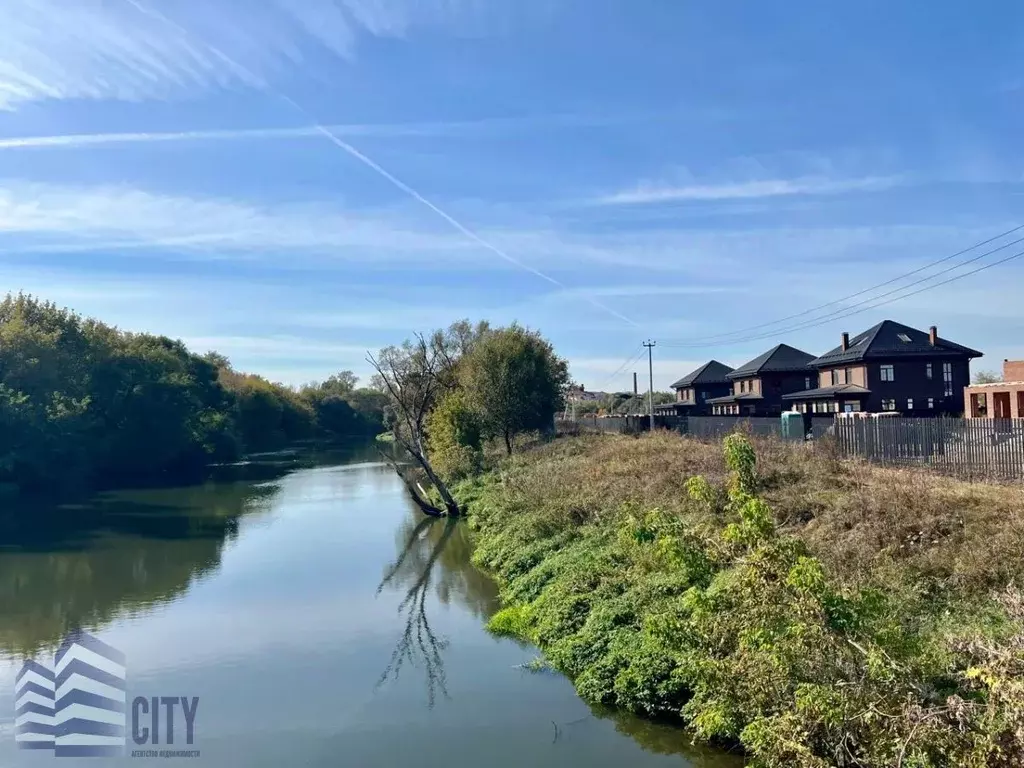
[[81, 402]]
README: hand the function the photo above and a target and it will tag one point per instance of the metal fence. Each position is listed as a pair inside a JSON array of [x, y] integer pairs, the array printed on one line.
[[969, 448], [698, 426], [619, 424]]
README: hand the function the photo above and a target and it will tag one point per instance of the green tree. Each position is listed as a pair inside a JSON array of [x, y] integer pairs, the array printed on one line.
[[515, 382], [986, 377], [81, 401], [455, 436]]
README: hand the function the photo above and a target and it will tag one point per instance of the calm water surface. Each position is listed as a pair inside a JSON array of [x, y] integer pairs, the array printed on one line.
[[319, 618]]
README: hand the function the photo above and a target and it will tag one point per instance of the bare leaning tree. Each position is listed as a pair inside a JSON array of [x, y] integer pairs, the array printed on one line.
[[414, 376]]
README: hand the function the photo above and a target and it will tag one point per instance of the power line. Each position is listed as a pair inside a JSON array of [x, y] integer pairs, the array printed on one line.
[[629, 361], [887, 301], [729, 336], [374, 166]]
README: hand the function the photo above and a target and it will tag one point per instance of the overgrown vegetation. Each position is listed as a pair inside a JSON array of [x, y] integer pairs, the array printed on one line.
[[82, 402], [814, 612], [451, 392]]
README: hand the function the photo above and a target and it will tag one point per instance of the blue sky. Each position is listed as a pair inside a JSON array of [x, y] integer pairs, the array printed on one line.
[[603, 171]]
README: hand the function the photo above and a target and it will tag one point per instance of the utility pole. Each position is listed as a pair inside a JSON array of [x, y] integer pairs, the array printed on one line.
[[634, 384], [650, 371]]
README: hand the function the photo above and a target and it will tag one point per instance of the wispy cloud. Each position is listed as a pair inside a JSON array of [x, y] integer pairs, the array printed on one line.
[[650, 192], [91, 49], [445, 128], [36, 217]]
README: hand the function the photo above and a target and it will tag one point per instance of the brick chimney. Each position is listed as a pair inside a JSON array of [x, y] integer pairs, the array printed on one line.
[[933, 335], [845, 343]]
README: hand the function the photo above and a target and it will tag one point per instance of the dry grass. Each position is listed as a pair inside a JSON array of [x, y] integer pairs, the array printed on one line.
[[863, 521]]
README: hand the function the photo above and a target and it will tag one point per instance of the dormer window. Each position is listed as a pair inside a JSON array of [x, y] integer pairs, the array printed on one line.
[[904, 338]]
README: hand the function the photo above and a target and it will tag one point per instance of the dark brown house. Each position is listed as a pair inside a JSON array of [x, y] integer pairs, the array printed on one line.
[[759, 385], [890, 367], [696, 388]]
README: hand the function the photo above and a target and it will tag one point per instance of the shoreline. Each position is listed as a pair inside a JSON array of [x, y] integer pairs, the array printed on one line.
[[735, 604]]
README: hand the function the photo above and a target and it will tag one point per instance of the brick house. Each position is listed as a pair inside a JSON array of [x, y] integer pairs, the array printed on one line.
[[999, 400], [696, 388], [889, 367], [758, 386]]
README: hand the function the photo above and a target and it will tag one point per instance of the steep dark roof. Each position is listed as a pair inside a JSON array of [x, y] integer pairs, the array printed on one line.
[[780, 358], [826, 392], [885, 340], [712, 372]]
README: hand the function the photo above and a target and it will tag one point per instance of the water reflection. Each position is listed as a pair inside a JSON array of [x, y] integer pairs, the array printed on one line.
[[84, 565], [433, 556]]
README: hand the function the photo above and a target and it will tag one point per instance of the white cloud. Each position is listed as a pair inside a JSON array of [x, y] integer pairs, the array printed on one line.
[[652, 192], [92, 49], [55, 218]]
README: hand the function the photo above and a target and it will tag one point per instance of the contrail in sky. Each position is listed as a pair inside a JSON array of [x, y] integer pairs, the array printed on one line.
[[395, 181]]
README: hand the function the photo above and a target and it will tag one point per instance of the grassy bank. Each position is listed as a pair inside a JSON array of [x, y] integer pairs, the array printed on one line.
[[813, 611]]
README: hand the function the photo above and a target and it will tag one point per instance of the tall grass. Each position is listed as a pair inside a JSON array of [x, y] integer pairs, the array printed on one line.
[[815, 611]]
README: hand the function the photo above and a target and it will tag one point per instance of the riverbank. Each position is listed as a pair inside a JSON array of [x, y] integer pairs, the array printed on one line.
[[812, 611]]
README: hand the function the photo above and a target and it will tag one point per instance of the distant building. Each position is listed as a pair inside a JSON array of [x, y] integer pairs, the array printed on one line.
[[696, 388], [758, 386], [889, 367], [999, 400]]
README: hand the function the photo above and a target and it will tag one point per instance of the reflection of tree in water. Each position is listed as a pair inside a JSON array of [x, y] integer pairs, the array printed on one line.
[[85, 565], [433, 554]]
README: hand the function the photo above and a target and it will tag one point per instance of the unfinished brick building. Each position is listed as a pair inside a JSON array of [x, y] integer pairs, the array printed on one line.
[[999, 400]]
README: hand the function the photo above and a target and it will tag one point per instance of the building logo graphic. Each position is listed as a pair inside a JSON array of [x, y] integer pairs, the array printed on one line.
[[74, 707]]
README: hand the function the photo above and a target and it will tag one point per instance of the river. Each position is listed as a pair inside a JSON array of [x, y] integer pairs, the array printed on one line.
[[317, 616]]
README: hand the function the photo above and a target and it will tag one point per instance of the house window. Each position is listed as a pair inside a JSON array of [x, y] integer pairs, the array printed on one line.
[[904, 338], [887, 374], [835, 378], [807, 382], [928, 370], [703, 395], [910, 403], [947, 377], [888, 405], [947, 390], [931, 402], [848, 376]]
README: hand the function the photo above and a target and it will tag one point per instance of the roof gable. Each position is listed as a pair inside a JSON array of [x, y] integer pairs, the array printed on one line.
[[891, 339], [780, 358], [712, 372]]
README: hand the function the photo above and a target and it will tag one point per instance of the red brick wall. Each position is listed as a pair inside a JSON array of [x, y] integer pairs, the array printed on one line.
[[1013, 370]]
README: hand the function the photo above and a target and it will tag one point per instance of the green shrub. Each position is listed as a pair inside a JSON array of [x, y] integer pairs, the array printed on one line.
[[714, 613]]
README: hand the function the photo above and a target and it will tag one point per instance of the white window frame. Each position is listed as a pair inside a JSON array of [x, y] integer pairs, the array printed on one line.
[[928, 371], [887, 372], [931, 402], [889, 404], [910, 403]]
